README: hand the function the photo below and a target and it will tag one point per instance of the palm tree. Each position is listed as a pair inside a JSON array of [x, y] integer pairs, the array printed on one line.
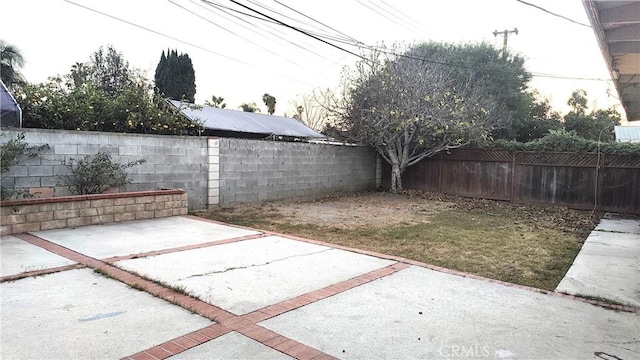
[[11, 60], [270, 101], [249, 107]]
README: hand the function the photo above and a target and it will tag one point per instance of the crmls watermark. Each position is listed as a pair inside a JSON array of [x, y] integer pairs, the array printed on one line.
[[468, 351], [472, 351]]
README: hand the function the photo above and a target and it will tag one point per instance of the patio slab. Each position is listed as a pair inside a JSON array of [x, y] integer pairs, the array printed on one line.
[[134, 237], [18, 256], [423, 314], [607, 266], [618, 224], [245, 276], [79, 314]]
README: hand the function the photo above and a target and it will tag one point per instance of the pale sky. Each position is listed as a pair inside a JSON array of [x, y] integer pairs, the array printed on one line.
[[241, 59]]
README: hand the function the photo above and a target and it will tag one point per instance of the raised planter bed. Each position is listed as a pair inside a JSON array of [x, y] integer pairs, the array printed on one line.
[[38, 214]]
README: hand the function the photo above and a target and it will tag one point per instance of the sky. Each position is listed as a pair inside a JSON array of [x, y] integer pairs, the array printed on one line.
[[240, 57]]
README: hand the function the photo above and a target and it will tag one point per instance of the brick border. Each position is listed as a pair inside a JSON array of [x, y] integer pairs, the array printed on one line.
[[624, 308], [42, 272], [183, 248], [59, 199], [25, 215]]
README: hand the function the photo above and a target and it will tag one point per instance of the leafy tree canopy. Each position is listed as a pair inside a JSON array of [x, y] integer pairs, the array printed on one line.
[[89, 99], [597, 125], [411, 106], [175, 77]]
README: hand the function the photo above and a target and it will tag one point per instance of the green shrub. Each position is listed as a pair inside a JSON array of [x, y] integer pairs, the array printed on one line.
[[134, 108], [12, 152], [95, 175], [568, 141]]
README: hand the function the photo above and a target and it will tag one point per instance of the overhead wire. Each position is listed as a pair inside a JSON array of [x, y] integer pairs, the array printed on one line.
[[182, 41], [157, 32], [402, 21], [317, 21], [552, 13], [300, 31], [322, 35], [402, 14], [267, 29], [382, 50], [233, 33], [383, 15]]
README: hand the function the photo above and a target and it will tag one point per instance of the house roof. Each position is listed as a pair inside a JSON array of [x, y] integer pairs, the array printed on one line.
[[627, 133], [245, 122], [617, 28]]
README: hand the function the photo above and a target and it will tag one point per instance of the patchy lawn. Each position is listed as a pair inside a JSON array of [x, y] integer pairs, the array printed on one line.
[[522, 244]]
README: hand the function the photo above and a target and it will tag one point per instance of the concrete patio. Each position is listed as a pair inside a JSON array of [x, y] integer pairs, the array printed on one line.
[[188, 288]]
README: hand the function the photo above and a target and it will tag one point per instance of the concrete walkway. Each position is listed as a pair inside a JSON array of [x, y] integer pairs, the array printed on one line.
[[608, 265], [188, 288]]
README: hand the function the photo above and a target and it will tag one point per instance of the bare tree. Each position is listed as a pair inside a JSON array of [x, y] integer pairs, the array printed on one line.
[[409, 109], [313, 109]]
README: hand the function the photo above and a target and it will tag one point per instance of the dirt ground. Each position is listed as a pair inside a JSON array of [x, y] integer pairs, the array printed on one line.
[[520, 243], [383, 209]]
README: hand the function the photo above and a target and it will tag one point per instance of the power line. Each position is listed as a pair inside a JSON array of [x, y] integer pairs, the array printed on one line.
[[268, 30], [157, 32], [381, 14], [273, 22], [232, 33], [402, 21], [299, 30], [552, 13], [419, 25], [321, 23], [362, 46], [181, 41]]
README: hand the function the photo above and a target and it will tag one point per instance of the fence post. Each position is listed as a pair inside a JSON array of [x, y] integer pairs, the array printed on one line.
[[440, 175], [599, 182], [513, 175]]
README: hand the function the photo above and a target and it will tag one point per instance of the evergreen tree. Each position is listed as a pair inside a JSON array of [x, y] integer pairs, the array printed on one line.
[[175, 77]]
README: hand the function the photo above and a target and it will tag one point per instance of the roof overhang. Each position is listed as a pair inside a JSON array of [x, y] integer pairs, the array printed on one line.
[[617, 28]]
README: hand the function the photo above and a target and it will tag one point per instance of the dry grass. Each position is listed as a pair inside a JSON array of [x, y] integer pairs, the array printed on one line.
[[527, 245]]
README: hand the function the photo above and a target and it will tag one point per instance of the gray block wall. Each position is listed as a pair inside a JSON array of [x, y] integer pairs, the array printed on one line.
[[174, 162], [256, 170]]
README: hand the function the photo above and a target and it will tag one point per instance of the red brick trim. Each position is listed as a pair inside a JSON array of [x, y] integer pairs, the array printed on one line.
[[181, 343], [34, 273], [182, 248], [195, 305], [89, 197], [334, 289]]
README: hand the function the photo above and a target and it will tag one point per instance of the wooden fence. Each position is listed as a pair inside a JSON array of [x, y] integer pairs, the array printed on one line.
[[581, 181]]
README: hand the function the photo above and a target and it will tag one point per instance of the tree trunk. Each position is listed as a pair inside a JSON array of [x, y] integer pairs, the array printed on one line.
[[396, 178]]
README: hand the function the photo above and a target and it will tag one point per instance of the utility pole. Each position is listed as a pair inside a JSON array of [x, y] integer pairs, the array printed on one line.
[[505, 35]]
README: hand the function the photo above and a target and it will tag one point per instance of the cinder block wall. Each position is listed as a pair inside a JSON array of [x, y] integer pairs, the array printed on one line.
[[173, 162], [254, 170]]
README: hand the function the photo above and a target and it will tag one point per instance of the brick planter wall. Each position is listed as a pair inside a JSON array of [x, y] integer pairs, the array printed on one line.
[[25, 215]]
